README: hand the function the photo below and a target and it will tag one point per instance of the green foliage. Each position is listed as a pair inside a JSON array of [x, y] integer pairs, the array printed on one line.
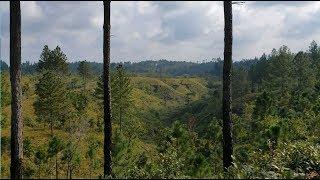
[[262, 106], [55, 146], [54, 60], [51, 105], [5, 144], [121, 98], [30, 122], [172, 125], [301, 157], [40, 159], [72, 157], [5, 92], [4, 121], [84, 69], [28, 149], [94, 144], [40, 155], [240, 83], [78, 100], [303, 73]]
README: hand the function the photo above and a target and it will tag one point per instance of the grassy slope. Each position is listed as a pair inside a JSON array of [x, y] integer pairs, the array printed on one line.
[[152, 96]]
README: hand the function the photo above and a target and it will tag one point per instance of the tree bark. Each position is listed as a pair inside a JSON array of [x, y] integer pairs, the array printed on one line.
[[57, 172], [51, 128], [226, 104], [15, 78], [106, 89], [68, 170]]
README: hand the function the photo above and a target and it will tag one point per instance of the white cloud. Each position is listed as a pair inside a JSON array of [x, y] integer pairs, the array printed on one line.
[[97, 21], [30, 11], [153, 30]]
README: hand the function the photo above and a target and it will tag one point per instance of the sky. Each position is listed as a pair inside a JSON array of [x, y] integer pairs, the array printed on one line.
[[146, 30]]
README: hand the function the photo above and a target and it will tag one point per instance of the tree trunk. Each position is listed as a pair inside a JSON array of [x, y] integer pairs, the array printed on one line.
[[120, 117], [90, 170], [57, 174], [15, 77], [106, 89], [39, 172], [226, 104], [67, 170], [51, 128]]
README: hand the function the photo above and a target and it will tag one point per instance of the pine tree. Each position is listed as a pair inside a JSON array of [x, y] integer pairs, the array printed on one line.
[[303, 73], [54, 60], [51, 104], [45, 61], [106, 90], [55, 147], [258, 72], [16, 92], [278, 80], [239, 84], [121, 99], [72, 157], [84, 72], [314, 53], [226, 102], [92, 153], [40, 158]]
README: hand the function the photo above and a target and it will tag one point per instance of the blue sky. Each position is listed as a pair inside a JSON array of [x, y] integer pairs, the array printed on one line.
[[154, 30]]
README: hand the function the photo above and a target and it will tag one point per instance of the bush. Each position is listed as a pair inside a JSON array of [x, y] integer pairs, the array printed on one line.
[[28, 121], [5, 144], [301, 157], [4, 121]]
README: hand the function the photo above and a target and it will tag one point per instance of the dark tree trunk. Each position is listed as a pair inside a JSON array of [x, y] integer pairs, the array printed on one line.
[[120, 117], [57, 172], [68, 170], [51, 128], [226, 104], [15, 77], [106, 89]]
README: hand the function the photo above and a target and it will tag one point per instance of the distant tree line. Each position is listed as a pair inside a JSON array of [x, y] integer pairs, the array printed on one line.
[[159, 67]]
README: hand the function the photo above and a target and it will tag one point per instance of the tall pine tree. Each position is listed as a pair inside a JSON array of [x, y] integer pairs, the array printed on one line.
[[106, 90], [226, 102], [15, 78]]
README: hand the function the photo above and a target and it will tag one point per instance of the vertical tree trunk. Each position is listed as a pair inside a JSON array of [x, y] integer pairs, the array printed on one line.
[[39, 171], [15, 77], [51, 128], [90, 171], [85, 83], [68, 170], [106, 89], [120, 118], [57, 173], [226, 105]]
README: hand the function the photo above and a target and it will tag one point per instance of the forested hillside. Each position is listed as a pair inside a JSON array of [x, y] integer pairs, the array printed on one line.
[[153, 68], [167, 121]]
